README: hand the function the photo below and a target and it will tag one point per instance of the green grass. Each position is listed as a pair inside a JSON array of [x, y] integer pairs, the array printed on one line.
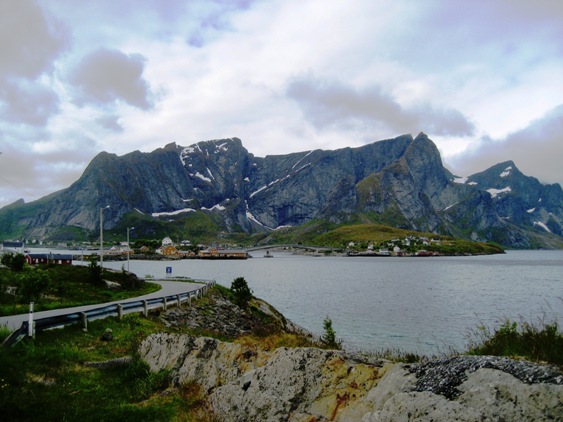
[[4, 333], [49, 374], [541, 342], [70, 286]]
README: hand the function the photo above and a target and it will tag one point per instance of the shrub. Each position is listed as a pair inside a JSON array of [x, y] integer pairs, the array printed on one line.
[[241, 292], [33, 282], [329, 336], [14, 262], [95, 273], [543, 342]]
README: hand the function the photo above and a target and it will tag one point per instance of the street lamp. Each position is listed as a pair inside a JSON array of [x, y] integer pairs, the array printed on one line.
[[102, 238], [128, 246]]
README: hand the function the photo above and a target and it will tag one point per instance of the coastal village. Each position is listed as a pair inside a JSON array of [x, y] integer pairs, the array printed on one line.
[[410, 246], [167, 250]]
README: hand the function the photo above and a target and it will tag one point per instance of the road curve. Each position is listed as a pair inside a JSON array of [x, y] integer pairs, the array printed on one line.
[[169, 288]]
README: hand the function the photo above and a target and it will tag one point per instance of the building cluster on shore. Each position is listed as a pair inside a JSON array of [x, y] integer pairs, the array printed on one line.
[[409, 246], [122, 251]]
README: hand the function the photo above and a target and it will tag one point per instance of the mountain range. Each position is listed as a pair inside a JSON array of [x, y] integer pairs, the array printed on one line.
[[399, 182]]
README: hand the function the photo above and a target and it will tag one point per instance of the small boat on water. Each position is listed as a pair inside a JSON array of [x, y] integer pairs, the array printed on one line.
[[268, 255]]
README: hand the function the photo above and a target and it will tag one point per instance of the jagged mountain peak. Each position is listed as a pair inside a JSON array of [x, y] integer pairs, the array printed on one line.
[[399, 181]]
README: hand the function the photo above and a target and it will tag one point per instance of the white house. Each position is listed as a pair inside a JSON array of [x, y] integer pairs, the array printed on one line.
[[14, 247]]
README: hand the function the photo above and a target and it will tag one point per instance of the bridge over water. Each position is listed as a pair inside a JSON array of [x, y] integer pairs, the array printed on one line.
[[293, 246]]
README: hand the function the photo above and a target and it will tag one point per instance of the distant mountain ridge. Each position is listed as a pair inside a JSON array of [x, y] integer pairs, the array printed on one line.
[[400, 182]]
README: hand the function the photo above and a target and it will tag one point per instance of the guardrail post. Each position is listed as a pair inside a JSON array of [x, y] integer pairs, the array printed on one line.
[[179, 301], [30, 326], [120, 311], [164, 303], [84, 320], [190, 299], [145, 308]]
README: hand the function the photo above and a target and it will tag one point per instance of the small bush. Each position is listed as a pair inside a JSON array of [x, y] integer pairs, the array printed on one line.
[[33, 283], [241, 292], [15, 262], [329, 336], [543, 342], [95, 273]]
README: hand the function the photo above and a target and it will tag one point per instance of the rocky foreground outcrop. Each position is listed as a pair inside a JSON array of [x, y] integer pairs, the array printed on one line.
[[245, 383]]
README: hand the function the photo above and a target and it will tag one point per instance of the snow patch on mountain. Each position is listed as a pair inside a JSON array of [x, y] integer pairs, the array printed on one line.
[[506, 172], [201, 176], [496, 192], [542, 225], [214, 207], [161, 214]]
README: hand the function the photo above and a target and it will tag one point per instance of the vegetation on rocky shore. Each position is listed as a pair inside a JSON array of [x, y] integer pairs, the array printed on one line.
[[51, 372], [71, 374]]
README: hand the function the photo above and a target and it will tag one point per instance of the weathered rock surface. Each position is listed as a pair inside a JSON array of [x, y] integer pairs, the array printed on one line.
[[304, 384], [485, 395], [221, 317], [248, 384]]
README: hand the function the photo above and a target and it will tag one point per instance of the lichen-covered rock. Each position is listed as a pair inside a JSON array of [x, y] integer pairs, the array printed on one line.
[[444, 376], [305, 384], [221, 317], [485, 395], [295, 384], [203, 360], [248, 384]]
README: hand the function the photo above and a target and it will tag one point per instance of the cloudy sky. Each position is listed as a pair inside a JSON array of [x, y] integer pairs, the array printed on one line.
[[482, 78]]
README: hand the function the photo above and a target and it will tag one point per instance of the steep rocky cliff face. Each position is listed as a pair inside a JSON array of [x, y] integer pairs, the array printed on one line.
[[520, 198], [400, 182]]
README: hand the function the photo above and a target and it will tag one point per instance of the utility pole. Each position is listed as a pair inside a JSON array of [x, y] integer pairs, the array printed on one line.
[[102, 239], [128, 246]]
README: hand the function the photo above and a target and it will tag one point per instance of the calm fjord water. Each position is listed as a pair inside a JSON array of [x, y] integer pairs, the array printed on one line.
[[422, 305]]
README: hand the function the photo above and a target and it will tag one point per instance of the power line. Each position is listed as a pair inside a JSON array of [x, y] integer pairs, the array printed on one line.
[[18, 187]]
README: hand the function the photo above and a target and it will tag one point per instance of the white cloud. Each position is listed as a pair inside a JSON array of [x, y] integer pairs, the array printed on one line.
[[29, 43], [536, 150], [481, 79], [105, 76], [336, 105]]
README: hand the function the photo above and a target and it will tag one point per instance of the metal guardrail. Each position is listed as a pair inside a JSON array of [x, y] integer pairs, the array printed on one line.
[[116, 309]]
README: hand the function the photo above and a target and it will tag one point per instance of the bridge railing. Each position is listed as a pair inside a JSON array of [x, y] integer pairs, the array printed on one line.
[[115, 309]]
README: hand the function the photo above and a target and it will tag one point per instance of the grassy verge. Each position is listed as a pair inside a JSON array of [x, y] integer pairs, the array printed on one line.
[[50, 374], [46, 379], [71, 286]]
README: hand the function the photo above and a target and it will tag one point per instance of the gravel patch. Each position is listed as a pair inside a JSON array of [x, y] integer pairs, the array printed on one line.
[[444, 376]]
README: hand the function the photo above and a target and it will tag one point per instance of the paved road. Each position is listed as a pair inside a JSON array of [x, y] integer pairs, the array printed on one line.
[[168, 288]]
